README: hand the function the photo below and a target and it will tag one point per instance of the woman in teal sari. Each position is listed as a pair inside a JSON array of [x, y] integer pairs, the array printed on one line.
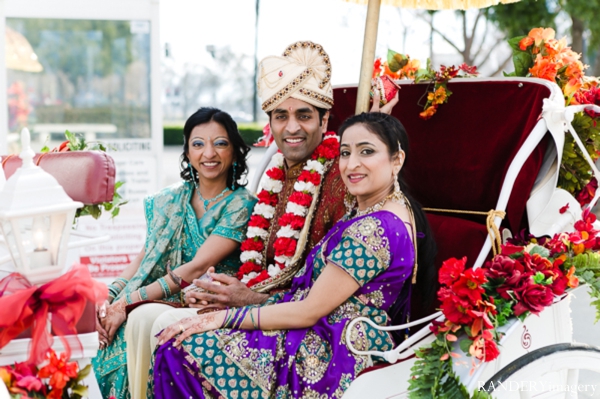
[[191, 226]]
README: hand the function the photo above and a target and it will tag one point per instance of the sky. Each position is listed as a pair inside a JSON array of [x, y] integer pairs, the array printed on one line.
[[188, 26]]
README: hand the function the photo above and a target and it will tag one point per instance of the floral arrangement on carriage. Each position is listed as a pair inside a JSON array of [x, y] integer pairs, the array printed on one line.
[[538, 55], [526, 277]]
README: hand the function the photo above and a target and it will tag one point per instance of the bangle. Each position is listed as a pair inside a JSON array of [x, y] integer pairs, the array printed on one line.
[[128, 300], [240, 319], [258, 317], [224, 324], [121, 280], [176, 279], [252, 318], [164, 286], [143, 294]]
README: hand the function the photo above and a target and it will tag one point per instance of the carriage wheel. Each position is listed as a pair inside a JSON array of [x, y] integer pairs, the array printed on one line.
[[548, 372]]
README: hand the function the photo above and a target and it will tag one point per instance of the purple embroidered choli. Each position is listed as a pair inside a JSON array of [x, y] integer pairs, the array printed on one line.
[[376, 250]]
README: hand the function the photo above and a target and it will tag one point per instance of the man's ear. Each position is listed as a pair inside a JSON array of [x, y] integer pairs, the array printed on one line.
[[324, 122]]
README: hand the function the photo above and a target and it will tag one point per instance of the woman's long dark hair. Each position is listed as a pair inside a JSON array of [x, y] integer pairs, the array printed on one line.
[[240, 148], [391, 131]]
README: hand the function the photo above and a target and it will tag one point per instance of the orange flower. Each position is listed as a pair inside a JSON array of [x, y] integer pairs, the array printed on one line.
[[574, 70], [544, 69], [525, 42], [540, 34], [428, 113], [573, 280], [572, 86], [59, 371], [439, 96]]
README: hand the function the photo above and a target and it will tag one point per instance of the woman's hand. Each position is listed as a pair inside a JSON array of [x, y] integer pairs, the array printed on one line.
[[387, 108], [115, 316], [190, 326], [100, 315], [228, 292]]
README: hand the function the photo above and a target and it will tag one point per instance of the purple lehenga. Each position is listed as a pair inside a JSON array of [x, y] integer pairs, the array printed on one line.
[[376, 250]]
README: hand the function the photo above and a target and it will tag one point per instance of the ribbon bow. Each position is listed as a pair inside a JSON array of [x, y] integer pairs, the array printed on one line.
[[23, 305]]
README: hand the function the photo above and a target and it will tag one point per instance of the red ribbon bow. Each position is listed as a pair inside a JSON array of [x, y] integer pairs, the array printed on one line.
[[23, 305]]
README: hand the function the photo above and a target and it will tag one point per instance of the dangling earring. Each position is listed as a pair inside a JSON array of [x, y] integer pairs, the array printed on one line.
[[192, 175], [233, 176], [397, 195]]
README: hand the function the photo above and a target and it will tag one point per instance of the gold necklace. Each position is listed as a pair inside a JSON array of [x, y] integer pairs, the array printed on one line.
[[395, 196]]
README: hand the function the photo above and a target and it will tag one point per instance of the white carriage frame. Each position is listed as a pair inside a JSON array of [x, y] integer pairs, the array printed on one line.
[[392, 381]]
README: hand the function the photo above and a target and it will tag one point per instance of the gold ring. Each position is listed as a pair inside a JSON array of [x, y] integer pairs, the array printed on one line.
[[181, 329]]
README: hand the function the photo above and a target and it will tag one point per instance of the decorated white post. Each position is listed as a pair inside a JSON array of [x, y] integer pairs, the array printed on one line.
[[36, 216]]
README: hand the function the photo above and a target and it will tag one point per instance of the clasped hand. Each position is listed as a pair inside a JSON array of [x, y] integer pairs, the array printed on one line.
[[109, 319], [229, 292]]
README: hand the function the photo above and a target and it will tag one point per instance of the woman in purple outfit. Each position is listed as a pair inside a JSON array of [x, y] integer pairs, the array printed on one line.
[[294, 345]]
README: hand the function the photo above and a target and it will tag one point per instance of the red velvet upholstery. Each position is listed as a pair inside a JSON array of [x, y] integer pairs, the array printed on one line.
[[86, 176], [458, 158]]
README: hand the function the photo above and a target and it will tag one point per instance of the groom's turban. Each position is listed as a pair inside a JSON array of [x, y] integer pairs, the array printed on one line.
[[302, 72]]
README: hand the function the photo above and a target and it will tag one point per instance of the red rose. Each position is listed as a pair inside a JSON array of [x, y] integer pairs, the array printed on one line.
[[557, 244], [294, 221], [532, 297], [301, 199], [508, 271], [451, 270], [559, 282], [491, 350], [285, 246], [259, 221], [509, 249], [307, 176], [276, 173], [251, 244], [265, 197], [536, 262]]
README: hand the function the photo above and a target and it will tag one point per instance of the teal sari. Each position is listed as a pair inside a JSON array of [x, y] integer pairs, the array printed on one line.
[[173, 234]]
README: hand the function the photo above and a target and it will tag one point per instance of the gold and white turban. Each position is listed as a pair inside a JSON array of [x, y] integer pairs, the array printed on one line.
[[302, 72]]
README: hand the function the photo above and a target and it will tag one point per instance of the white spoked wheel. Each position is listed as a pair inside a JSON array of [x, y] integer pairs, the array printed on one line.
[[548, 372]]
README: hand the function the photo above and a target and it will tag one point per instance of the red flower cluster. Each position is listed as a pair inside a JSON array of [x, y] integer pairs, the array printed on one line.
[[247, 268], [253, 245], [276, 174], [309, 177], [50, 381], [294, 221], [265, 197], [329, 148], [299, 198], [285, 246]]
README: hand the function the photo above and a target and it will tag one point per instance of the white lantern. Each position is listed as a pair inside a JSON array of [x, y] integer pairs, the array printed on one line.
[[36, 216]]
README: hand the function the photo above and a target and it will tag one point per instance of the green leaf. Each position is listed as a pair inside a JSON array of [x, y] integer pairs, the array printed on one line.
[[538, 278], [538, 249], [45, 149], [465, 344], [514, 43], [396, 61]]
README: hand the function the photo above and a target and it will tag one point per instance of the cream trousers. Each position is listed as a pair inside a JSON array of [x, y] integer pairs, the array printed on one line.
[[143, 323]]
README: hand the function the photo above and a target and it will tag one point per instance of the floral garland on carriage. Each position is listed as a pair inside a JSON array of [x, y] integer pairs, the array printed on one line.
[[529, 273]]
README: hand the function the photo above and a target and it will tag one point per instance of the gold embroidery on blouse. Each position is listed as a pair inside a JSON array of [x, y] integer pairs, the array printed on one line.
[[313, 358], [368, 231]]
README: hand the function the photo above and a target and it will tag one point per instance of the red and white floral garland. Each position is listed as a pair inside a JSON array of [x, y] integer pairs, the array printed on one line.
[[292, 221]]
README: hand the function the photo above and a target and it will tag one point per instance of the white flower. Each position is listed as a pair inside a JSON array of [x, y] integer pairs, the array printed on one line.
[[248, 277], [287, 231], [285, 260], [273, 270], [249, 255], [256, 232], [315, 165], [296, 209], [276, 161], [274, 186], [305, 186], [266, 211]]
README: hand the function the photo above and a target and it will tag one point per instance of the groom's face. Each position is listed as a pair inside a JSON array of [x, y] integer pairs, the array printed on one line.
[[297, 129]]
